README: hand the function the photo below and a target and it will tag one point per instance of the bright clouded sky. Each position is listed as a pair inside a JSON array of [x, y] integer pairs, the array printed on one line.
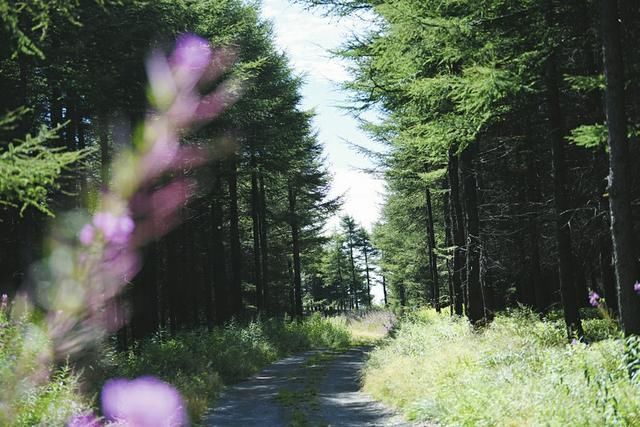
[[307, 37]]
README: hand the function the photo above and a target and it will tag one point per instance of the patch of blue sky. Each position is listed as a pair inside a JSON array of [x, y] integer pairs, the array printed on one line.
[[307, 38]]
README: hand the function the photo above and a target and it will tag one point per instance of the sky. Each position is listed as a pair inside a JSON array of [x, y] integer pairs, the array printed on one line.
[[307, 37]]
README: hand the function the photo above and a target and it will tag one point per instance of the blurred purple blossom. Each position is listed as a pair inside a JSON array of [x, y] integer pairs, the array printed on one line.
[[87, 234], [116, 229], [190, 59], [143, 402], [119, 264], [4, 302], [161, 156], [636, 287], [213, 104], [115, 238], [84, 420], [160, 209], [594, 299]]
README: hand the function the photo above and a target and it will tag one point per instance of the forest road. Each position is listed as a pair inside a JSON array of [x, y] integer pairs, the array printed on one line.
[[311, 389]]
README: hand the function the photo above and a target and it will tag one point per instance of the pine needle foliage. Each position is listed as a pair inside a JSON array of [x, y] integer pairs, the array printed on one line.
[[30, 169]]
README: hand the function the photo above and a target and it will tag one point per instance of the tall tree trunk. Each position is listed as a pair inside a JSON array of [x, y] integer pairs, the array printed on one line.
[[457, 232], [144, 292], [190, 275], [173, 276], [562, 217], [607, 270], [234, 240], [341, 280], [222, 297], [384, 290], [105, 153], [622, 233], [433, 261], [402, 294], [56, 105], [25, 123], [448, 242], [533, 198], [366, 269], [207, 290], [295, 246], [264, 252], [354, 292], [71, 118], [475, 298], [255, 219]]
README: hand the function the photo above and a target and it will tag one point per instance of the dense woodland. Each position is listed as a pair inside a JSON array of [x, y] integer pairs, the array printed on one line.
[[506, 132], [510, 129], [502, 123], [241, 245]]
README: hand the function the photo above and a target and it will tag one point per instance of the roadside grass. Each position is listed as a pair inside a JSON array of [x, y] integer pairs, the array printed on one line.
[[25, 399], [519, 371], [199, 363], [367, 327]]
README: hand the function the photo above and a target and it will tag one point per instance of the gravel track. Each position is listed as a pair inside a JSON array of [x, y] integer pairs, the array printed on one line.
[[311, 389]]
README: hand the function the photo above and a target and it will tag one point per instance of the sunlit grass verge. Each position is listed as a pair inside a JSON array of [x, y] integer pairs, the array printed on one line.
[[519, 371], [38, 400], [366, 326], [199, 363]]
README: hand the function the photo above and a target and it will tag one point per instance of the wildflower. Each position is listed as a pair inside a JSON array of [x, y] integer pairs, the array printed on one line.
[[636, 287], [116, 229], [190, 59], [594, 299], [143, 402], [4, 302], [87, 235]]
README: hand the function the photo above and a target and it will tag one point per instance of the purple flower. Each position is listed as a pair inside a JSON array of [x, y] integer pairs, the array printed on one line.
[[190, 59], [4, 302], [116, 229], [143, 402], [163, 88], [84, 420], [636, 287], [87, 234], [594, 299]]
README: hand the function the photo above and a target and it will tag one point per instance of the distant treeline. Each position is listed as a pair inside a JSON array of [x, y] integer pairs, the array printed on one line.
[[512, 147]]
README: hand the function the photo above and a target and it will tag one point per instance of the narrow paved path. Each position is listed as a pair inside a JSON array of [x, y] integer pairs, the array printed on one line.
[[310, 389]]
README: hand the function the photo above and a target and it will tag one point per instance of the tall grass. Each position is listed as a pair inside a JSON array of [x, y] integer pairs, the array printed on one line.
[[366, 326], [28, 396], [519, 371], [199, 363]]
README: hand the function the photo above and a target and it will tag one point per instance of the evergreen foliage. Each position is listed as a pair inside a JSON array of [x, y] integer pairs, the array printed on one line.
[[493, 125]]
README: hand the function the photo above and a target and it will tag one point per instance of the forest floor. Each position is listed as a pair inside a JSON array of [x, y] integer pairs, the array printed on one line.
[[315, 388]]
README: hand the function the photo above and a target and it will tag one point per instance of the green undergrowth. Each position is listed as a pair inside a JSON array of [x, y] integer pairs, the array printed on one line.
[[519, 371], [199, 363], [33, 392]]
